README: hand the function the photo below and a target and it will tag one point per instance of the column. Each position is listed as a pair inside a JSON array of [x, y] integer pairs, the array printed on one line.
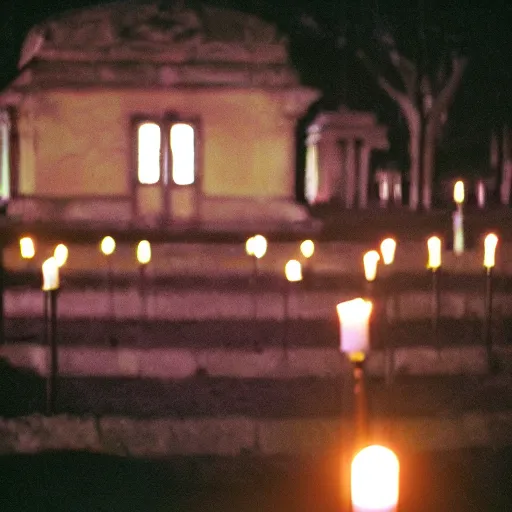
[[364, 174], [329, 166], [350, 178]]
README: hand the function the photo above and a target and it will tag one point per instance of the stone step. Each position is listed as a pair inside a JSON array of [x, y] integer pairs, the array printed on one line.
[[296, 396], [273, 363], [254, 334], [202, 304]]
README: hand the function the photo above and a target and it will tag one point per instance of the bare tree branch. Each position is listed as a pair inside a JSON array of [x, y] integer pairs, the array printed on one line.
[[407, 70], [443, 99], [401, 98]]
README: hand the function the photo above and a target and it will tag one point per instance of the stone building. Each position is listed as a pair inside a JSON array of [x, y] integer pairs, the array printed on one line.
[[148, 113]]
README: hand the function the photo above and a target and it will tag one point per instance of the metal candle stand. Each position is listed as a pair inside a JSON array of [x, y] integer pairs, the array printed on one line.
[[50, 333], [487, 329], [435, 305]]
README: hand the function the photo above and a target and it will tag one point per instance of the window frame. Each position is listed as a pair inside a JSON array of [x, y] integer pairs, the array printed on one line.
[[165, 123]]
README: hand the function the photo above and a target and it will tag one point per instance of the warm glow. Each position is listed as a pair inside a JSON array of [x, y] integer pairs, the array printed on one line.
[[434, 252], [307, 248], [50, 270], [144, 252], [259, 246], [387, 249], [354, 316], [108, 245], [458, 192], [27, 249], [375, 480], [61, 254], [370, 260], [293, 271], [490, 243], [183, 154], [148, 153], [249, 246]]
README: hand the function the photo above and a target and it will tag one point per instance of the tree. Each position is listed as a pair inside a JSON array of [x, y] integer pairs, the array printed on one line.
[[423, 98]]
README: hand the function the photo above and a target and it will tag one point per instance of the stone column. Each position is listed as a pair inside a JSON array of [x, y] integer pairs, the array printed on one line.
[[350, 177], [364, 174], [329, 166]]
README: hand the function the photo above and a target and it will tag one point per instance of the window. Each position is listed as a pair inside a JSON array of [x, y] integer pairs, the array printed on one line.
[[166, 149], [5, 159], [312, 170]]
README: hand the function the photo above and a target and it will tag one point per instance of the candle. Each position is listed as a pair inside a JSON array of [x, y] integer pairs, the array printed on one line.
[[375, 480], [144, 252], [354, 318], [434, 252], [108, 246], [387, 249], [370, 260], [259, 246], [307, 248], [50, 270], [293, 271], [490, 243], [27, 248], [61, 254]]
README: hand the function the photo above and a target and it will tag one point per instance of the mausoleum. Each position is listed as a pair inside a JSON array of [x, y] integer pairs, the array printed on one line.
[[139, 113]]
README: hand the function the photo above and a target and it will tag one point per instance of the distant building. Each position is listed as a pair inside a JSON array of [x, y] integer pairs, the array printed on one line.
[[148, 114]]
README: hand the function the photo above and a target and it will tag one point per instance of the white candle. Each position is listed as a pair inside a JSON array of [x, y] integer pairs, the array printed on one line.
[[293, 271], [434, 252], [50, 274], [144, 252], [490, 243], [370, 261], [354, 318]]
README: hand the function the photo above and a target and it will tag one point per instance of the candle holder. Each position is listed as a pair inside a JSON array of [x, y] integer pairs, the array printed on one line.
[[107, 247], [354, 316], [293, 274], [307, 249], [50, 269], [490, 243], [256, 248], [143, 257], [434, 264], [388, 249]]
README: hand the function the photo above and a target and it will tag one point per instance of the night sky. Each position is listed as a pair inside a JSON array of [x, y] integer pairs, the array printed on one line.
[[481, 30]]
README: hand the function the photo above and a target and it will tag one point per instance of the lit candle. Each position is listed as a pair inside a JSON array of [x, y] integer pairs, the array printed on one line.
[[307, 248], [293, 271], [458, 192], [144, 252], [490, 243], [434, 252], [249, 246], [375, 480], [370, 260], [108, 246], [27, 249], [458, 219], [259, 246], [50, 270], [354, 316], [387, 249], [61, 254]]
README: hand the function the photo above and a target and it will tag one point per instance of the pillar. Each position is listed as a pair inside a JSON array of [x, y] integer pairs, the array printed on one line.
[[350, 177], [364, 174]]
